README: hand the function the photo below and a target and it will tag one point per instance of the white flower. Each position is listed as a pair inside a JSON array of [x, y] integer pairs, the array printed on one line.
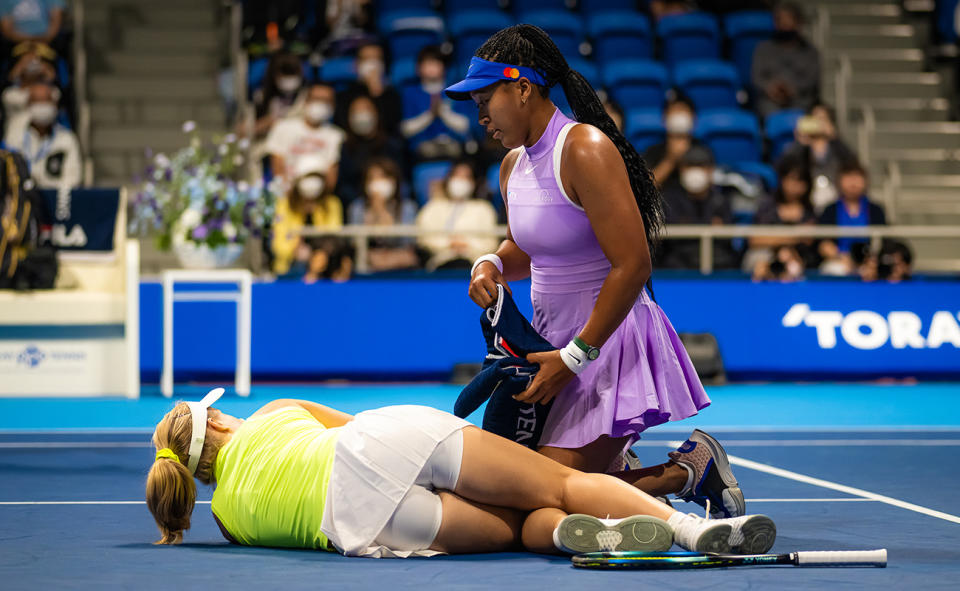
[[243, 186], [189, 126], [189, 219], [161, 160], [230, 138], [229, 231], [243, 144], [238, 160], [223, 149]]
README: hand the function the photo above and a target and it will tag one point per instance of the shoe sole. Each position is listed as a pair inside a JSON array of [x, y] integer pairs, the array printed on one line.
[[641, 533], [759, 534], [714, 539], [732, 499]]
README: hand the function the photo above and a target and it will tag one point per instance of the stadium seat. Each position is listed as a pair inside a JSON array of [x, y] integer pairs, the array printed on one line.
[[710, 84], [945, 17], [493, 182], [404, 5], [744, 30], [588, 69], [407, 31], [636, 84], [759, 170], [644, 128], [732, 134], [403, 71], [618, 34], [564, 28], [452, 7], [338, 71], [470, 29], [588, 7], [521, 6], [693, 35], [426, 173], [779, 129]]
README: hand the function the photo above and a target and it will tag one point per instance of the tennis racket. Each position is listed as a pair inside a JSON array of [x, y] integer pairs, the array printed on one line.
[[688, 560]]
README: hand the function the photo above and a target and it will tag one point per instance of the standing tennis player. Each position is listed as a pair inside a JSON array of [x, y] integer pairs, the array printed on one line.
[[584, 213]]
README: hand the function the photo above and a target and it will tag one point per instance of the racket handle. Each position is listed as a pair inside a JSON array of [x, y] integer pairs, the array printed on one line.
[[845, 558]]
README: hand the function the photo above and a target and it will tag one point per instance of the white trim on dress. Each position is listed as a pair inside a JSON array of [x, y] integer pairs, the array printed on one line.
[[557, 152]]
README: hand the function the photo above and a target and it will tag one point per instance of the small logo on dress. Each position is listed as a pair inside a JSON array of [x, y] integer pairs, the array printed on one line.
[[528, 169], [545, 197]]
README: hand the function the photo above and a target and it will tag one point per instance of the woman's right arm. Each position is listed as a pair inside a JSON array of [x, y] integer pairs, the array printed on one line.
[[325, 415]]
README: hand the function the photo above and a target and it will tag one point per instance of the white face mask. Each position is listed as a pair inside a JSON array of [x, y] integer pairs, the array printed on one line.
[[288, 84], [42, 113], [679, 123], [310, 187], [318, 112], [459, 189], [383, 188], [695, 179], [369, 67], [363, 122], [433, 86]]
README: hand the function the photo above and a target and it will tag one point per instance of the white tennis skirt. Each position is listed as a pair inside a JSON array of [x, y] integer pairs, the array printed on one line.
[[378, 456]]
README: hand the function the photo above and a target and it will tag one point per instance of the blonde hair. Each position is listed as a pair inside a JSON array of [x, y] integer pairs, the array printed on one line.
[[171, 492]]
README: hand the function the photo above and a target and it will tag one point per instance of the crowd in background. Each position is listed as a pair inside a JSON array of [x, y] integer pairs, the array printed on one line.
[[367, 139]]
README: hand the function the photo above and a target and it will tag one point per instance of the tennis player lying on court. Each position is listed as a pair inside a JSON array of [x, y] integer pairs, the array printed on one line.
[[402, 481]]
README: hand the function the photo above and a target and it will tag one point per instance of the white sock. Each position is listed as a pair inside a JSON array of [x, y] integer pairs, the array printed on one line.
[[556, 539], [688, 487], [610, 522], [677, 518]]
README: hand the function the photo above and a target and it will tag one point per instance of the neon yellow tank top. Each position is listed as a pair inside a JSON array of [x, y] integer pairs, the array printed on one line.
[[272, 479]]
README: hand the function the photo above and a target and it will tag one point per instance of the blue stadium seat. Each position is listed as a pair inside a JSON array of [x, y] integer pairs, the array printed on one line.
[[338, 71], [732, 134], [744, 30], [618, 34], [403, 5], [403, 71], [945, 19], [521, 6], [588, 69], [426, 173], [758, 170], [595, 6], [636, 84], [452, 7], [710, 84], [779, 129], [470, 29], [693, 35], [644, 128], [407, 31], [493, 182], [565, 29]]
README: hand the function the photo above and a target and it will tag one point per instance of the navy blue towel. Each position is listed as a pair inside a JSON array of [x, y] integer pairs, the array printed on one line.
[[506, 373]]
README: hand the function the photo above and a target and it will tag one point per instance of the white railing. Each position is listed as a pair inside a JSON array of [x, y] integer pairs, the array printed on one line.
[[80, 89], [704, 233]]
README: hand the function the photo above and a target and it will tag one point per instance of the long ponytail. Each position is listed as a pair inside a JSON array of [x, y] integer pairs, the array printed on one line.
[[531, 46], [171, 492]]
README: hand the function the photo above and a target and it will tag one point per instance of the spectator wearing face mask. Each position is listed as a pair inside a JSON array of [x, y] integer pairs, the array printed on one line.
[[456, 210], [372, 82], [695, 200], [431, 126], [366, 139], [30, 68], [308, 202], [816, 138], [51, 150], [678, 119], [307, 131], [854, 208], [789, 205], [281, 85], [382, 204], [786, 69]]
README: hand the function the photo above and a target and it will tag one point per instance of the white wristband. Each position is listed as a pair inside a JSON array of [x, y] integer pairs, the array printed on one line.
[[574, 358], [497, 262]]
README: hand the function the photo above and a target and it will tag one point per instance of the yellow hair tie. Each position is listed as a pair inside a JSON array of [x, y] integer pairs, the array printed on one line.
[[168, 453]]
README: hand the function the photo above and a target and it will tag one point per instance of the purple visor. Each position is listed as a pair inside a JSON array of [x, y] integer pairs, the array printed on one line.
[[482, 73]]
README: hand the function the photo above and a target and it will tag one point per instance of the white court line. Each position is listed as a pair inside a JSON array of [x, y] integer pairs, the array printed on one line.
[[841, 500], [817, 442], [737, 461], [72, 444], [84, 502]]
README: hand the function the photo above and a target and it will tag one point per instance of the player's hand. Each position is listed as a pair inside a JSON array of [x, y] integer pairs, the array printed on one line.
[[483, 284], [553, 376]]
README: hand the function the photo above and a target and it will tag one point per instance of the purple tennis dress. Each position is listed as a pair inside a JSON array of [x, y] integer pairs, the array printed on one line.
[[643, 376]]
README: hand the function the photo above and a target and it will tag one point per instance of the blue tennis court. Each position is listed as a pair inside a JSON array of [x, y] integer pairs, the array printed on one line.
[[837, 466]]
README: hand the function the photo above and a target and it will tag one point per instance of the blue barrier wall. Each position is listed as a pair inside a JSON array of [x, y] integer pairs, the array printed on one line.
[[402, 328]]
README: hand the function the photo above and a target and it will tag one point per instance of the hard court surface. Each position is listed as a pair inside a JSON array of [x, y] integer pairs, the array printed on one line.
[[837, 466]]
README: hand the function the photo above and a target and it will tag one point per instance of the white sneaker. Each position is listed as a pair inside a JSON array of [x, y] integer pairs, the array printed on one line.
[[748, 534], [578, 533]]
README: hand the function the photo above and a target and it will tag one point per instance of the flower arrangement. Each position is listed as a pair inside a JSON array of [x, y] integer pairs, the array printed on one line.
[[199, 197]]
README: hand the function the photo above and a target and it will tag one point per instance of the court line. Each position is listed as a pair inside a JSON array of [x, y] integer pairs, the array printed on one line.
[[850, 490], [72, 444], [815, 442]]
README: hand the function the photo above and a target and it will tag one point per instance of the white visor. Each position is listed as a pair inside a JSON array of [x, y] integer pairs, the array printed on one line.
[[198, 415]]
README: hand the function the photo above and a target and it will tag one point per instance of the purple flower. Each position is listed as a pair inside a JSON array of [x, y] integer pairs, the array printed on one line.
[[148, 153], [200, 232], [168, 175]]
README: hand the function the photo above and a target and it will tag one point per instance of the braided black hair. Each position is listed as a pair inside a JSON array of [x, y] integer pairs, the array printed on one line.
[[530, 46]]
